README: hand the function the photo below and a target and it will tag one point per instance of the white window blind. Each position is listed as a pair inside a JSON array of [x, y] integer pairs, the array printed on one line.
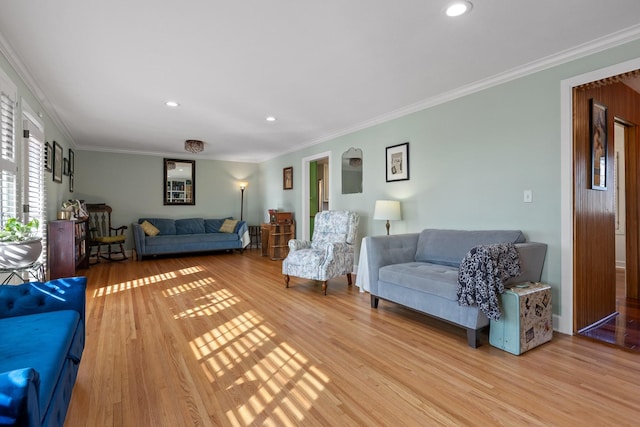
[[34, 189], [8, 166]]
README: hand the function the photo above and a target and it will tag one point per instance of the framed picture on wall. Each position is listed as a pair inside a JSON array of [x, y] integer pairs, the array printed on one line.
[[72, 161], [287, 178], [598, 133], [71, 183], [48, 154], [57, 162], [397, 162]]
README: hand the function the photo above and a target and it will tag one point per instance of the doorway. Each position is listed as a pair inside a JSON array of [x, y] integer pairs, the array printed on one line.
[[325, 160], [606, 209]]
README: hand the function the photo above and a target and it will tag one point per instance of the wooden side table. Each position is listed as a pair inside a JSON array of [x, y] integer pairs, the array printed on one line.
[[275, 239]]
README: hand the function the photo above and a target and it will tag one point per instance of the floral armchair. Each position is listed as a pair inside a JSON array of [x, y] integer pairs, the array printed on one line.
[[329, 254]]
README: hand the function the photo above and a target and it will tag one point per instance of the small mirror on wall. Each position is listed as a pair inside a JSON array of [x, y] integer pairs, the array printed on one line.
[[352, 171], [179, 182]]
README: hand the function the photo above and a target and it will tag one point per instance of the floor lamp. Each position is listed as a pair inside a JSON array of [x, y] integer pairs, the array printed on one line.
[[388, 210], [243, 186]]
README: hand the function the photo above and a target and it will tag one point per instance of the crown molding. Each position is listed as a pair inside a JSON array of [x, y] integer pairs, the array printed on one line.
[[598, 45], [23, 73]]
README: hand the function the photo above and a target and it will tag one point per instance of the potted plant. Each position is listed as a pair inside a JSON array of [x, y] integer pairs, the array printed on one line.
[[20, 246]]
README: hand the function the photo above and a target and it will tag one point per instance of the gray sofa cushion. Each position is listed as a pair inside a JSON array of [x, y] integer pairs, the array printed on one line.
[[448, 247], [165, 225], [435, 279], [190, 226]]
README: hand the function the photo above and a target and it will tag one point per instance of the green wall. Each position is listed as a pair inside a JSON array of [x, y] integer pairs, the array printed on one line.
[[470, 160], [133, 186]]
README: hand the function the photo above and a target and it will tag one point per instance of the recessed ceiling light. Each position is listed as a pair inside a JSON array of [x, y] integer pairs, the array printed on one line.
[[271, 119], [171, 104], [458, 8]]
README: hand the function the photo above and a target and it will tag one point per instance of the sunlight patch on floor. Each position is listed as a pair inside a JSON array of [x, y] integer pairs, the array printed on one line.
[[144, 281], [283, 382], [212, 303], [188, 286]]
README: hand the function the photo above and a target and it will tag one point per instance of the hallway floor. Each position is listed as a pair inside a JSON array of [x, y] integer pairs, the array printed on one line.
[[623, 329]]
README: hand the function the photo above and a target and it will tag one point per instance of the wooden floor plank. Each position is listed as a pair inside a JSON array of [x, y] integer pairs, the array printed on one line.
[[217, 340]]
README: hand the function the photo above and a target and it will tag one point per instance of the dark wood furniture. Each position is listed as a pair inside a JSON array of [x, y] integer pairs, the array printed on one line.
[[103, 236], [254, 234], [68, 247]]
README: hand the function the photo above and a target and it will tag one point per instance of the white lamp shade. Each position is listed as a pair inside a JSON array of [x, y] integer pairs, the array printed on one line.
[[387, 210]]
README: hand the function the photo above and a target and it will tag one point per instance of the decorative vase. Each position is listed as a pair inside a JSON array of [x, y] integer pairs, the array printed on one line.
[[15, 255]]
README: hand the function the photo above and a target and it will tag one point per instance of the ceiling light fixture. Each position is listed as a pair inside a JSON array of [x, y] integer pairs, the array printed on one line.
[[458, 8], [171, 104], [271, 119], [194, 146]]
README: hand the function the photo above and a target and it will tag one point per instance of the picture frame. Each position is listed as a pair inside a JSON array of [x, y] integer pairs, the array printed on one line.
[[57, 162], [65, 167], [397, 162], [72, 161], [287, 178], [48, 154], [599, 142], [71, 183]]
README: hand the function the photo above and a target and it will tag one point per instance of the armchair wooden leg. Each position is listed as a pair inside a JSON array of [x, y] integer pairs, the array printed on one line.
[[349, 279], [286, 280], [324, 287]]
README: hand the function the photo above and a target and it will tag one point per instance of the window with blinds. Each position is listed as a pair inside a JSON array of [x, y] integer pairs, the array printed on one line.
[[34, 195], [8, 166]]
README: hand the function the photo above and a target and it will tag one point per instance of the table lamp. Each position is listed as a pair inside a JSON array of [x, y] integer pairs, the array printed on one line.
[[388, 210]]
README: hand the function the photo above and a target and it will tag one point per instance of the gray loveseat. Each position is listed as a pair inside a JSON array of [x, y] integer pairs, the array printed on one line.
[[188, 235], [420, 271]]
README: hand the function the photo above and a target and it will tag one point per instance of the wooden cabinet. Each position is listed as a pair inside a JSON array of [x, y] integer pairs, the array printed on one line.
[[275, 239], [68, 247]]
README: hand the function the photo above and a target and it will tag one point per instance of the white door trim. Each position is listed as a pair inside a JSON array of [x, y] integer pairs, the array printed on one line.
[[303, 231]]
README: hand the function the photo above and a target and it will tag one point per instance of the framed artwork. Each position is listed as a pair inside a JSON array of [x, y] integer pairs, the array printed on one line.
[[48, 153], [598, 132], [71, 183], [397, 162], [287, 178], [57, 162], [65, 167], [72, 161]]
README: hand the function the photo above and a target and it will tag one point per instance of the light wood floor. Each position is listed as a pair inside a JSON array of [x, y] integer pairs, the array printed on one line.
[[218, 340]]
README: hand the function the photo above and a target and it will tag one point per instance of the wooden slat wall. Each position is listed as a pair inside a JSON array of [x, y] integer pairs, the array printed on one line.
[[594, 215]]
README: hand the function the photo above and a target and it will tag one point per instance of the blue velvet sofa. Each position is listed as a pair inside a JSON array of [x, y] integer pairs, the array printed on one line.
[[420, 271], [42, 326], [188, 235]]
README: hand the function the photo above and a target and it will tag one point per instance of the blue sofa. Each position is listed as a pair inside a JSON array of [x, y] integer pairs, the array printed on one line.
[[188, 235], [420, 271], [43, 333]]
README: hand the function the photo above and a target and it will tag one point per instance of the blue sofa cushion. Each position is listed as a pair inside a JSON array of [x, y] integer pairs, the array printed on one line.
[[190, 226], [186, 239], [19, 398], [448, 247], [213, 225], [44, 347], [165, 225]]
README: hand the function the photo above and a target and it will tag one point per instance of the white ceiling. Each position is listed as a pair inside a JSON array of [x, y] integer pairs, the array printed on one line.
[[103, 70]]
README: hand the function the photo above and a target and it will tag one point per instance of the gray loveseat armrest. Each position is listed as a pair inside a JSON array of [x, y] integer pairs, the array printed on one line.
[[386, 250], [531, 255]]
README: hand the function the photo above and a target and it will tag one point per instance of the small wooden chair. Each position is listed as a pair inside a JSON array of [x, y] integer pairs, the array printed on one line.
[[103, 235]]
